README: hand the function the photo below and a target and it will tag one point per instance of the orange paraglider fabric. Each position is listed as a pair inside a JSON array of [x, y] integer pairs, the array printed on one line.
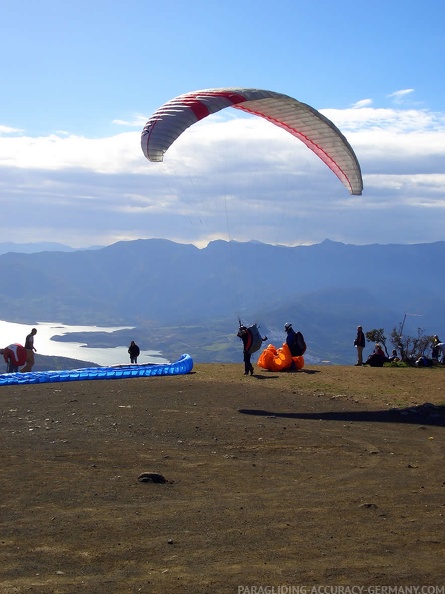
[[266, 357], [279, 359], [298, 362]]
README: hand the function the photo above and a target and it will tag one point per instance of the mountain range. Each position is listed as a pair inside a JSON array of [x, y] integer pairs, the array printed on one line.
[[180, 298]]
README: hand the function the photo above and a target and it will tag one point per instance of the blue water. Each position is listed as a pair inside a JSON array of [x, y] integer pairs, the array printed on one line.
[[11, 332]]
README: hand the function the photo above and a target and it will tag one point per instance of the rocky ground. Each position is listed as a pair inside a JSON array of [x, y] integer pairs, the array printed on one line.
[[329, 476]]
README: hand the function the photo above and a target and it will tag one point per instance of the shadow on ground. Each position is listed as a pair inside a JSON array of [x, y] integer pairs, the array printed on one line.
[[424, 414]]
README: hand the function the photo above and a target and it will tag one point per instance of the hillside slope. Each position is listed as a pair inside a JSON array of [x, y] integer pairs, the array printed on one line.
[[157, 285]]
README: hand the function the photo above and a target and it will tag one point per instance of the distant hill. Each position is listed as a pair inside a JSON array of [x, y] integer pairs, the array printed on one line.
[[189, 299], [32, 248], [47, 363]]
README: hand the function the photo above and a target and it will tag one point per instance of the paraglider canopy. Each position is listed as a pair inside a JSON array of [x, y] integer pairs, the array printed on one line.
[[299, 119]]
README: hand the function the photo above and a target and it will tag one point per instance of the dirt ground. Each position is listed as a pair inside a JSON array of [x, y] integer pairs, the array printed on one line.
[[329, 476]]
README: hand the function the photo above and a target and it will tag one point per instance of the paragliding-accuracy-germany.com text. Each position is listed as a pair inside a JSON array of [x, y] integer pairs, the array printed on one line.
[[320, 589]]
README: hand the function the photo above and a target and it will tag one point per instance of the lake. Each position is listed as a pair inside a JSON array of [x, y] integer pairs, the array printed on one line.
[[11, 332]]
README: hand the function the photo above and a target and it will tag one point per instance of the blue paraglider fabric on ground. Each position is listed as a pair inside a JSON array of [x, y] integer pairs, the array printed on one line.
[[182, 366]]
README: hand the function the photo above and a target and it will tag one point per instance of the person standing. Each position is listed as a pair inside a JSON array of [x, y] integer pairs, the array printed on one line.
[[359, 344], [290, 336], [246, 338], [252, 341], [441, 351], [30, 350], [134, 352], [435, 351], [295, 341]]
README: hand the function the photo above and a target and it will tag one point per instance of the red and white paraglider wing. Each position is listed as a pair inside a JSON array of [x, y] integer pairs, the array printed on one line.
[[299, 119]]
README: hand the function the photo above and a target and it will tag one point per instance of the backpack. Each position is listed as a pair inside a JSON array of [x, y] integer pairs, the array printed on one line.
[[256, 339], [300, 345]]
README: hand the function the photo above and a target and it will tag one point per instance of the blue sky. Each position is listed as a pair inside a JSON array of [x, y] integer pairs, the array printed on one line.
[[79, 79]]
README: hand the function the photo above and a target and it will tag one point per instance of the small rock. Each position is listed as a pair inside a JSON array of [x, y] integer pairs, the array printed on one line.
[[151, 477]]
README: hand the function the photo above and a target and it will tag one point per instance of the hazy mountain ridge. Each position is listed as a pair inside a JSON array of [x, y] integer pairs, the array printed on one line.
[[179, 294], [32, 248]]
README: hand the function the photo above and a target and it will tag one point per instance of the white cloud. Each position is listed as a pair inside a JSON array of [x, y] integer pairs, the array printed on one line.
[[9, 130], [116, 154], [237, 178], [138, 121], [396, 121], [362, 103], [400, 96]]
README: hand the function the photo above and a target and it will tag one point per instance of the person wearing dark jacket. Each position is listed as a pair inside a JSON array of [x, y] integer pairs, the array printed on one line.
[[291, 339], [359, 344], [377, 357], [133, 351], [246, 337], [435, 351], [30, 350]]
